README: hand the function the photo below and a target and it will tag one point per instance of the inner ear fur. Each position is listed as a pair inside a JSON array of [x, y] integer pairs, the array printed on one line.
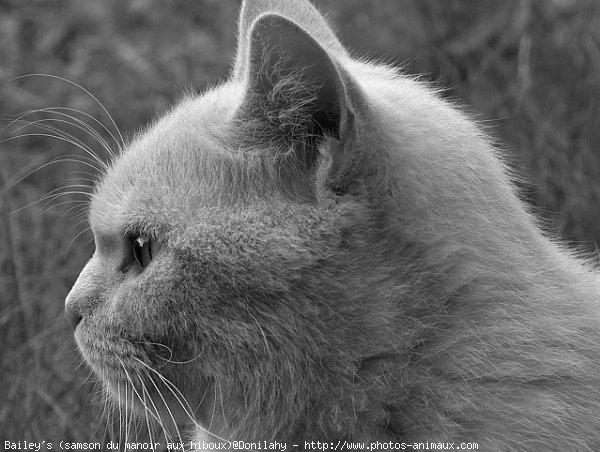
[[302, 12], [296, 93]]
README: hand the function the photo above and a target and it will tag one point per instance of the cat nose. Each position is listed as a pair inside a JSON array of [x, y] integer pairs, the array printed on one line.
[[72, 316], [83, 296]]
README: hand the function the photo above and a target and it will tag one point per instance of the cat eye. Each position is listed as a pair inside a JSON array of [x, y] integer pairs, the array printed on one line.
[[142, 251]]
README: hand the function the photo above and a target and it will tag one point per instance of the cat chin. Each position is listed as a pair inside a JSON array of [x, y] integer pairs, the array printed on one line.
[[140, 388], [171, 410], [135, 403]]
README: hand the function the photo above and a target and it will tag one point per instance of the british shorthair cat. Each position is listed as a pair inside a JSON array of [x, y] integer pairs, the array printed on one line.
[[323, 249]]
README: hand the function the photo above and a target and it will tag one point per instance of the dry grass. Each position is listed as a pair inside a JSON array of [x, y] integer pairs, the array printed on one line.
[[531, 69]]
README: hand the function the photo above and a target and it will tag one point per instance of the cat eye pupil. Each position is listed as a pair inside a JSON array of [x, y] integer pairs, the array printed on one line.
[[142, 251]]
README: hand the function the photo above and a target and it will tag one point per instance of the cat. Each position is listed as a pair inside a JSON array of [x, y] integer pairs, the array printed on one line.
[[323, 249]]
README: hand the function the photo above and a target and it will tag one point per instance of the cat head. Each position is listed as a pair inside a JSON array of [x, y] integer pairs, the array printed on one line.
[[269, 253], [216, 291]]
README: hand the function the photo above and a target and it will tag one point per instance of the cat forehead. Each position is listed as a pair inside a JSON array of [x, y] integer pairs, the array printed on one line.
[[170, 163], [195, 120], [190, 163]]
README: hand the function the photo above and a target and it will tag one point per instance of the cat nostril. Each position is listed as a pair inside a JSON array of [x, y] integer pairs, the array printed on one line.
[[73, 317]]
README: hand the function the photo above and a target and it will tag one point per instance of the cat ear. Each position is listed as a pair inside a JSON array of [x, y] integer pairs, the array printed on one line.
[[302, 12], [296, 93]]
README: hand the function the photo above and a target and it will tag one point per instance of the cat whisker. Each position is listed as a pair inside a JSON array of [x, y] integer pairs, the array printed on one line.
[[124, 421], [91, 377], [141, 399], [80, 216], [180, 398], [129, 419], [105, 414], [157, 344], [227, 426], [174, 390], [82, 176], [114, 124], [119, 145], [147, 410], [170, 361], [16, 180], [64, 187], [61, 112], [78, 204], [75, 122], [99, 394], [78, 212], [170, 350], [166, 407], [80, 233], [120, 410], [50, 197], [59, 134], [66, 191], [81, 159], [83, 210], [214, 406], [115, 419]]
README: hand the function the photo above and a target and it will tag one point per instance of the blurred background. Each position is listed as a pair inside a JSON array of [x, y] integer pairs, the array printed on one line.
[[529, 69]]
